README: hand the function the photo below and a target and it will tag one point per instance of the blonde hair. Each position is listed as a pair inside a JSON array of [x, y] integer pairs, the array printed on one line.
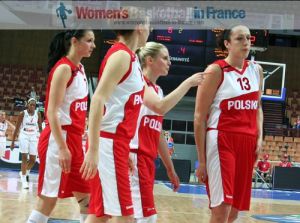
[[151, 49]]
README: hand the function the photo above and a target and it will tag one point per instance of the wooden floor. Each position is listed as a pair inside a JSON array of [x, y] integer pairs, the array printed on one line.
[[16, 204]]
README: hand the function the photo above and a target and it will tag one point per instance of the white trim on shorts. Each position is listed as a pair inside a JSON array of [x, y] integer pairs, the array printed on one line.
[[108, 178], [214, 169], [135, 189], [52, 172]]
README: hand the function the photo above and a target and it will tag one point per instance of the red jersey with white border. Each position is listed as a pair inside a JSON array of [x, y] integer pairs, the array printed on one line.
[[147, 134], [123, 106], [235, 105], [72, 112]]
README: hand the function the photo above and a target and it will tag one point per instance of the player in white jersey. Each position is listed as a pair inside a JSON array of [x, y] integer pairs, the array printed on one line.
[[229, 140], [28, 124], [60, 144], [4, 124], [149, 140]]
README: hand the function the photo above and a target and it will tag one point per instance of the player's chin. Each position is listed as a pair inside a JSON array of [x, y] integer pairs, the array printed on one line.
[[245, 54], [88, 54]]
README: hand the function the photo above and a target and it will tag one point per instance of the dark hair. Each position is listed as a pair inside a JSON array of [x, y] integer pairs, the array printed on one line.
[[224, 35], [61, 44]]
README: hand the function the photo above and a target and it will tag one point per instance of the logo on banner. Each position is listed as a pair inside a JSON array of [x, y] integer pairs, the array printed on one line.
[[62, 13]]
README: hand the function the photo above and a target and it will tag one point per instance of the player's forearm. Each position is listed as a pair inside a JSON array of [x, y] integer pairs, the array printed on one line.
[[260, 117], [200, 131], [168, 102], [55, 127], [95, 117], [164, 154]]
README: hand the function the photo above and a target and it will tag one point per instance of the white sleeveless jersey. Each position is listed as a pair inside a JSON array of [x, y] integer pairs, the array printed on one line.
[[3, 128], [235, 105], [29, 125], [148, 129], [72, 112], [122, 108]]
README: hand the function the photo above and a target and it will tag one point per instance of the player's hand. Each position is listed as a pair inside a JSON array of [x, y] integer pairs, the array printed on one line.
[[89, 166], [196, 79], [201, 173], [12, 146], [174, 179], [64, 159]]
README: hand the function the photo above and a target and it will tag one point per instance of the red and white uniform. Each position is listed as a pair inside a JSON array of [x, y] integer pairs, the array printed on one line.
[[231, 136], [143, 153], [29, 133], [264, 166], [285, 164], [110, 190], [72, 113], [3, 128]]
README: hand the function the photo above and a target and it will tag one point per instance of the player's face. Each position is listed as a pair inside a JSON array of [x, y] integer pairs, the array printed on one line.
[[239, 44], [31, 106], [86, 44], [2, 116], [161, 63]]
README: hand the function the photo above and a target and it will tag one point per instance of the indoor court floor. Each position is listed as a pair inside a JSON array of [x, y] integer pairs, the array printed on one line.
[[189, 205]]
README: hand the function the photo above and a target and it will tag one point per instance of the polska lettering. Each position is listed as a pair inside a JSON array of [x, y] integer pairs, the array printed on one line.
[[82, 106], [152, 123], [137, 99], [243, 105]]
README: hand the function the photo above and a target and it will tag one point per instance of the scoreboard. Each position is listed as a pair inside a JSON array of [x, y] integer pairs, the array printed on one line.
[[191, 51]]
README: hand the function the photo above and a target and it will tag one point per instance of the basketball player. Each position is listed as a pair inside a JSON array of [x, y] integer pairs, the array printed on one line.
[[114, 111], [4, 124], [149, 139], [29, 123], [60, 144], [229, 140]]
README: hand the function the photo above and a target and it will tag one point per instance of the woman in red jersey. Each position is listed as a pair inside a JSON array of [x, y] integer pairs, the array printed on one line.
[[114, 112], [149, 140], [228, 126], [60, 144]]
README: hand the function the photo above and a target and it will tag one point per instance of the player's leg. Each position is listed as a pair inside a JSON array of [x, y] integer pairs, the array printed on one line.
[[245, 147], [114, 178], [83, 202], [50, 177], [233, 215], [221, 172], [94, 219], [220, 213], [142, 183], [44, 207], [32, 155]]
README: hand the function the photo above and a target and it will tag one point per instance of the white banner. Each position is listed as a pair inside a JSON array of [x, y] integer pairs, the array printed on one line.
[[272, 15]]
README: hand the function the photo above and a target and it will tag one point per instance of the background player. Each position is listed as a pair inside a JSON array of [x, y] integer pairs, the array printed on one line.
[[228, 142], [149, 140], [29, 123], [4, 124], [60, 144]]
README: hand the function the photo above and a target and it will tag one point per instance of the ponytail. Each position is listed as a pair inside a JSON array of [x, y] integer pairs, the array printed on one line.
[[60, 45]]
